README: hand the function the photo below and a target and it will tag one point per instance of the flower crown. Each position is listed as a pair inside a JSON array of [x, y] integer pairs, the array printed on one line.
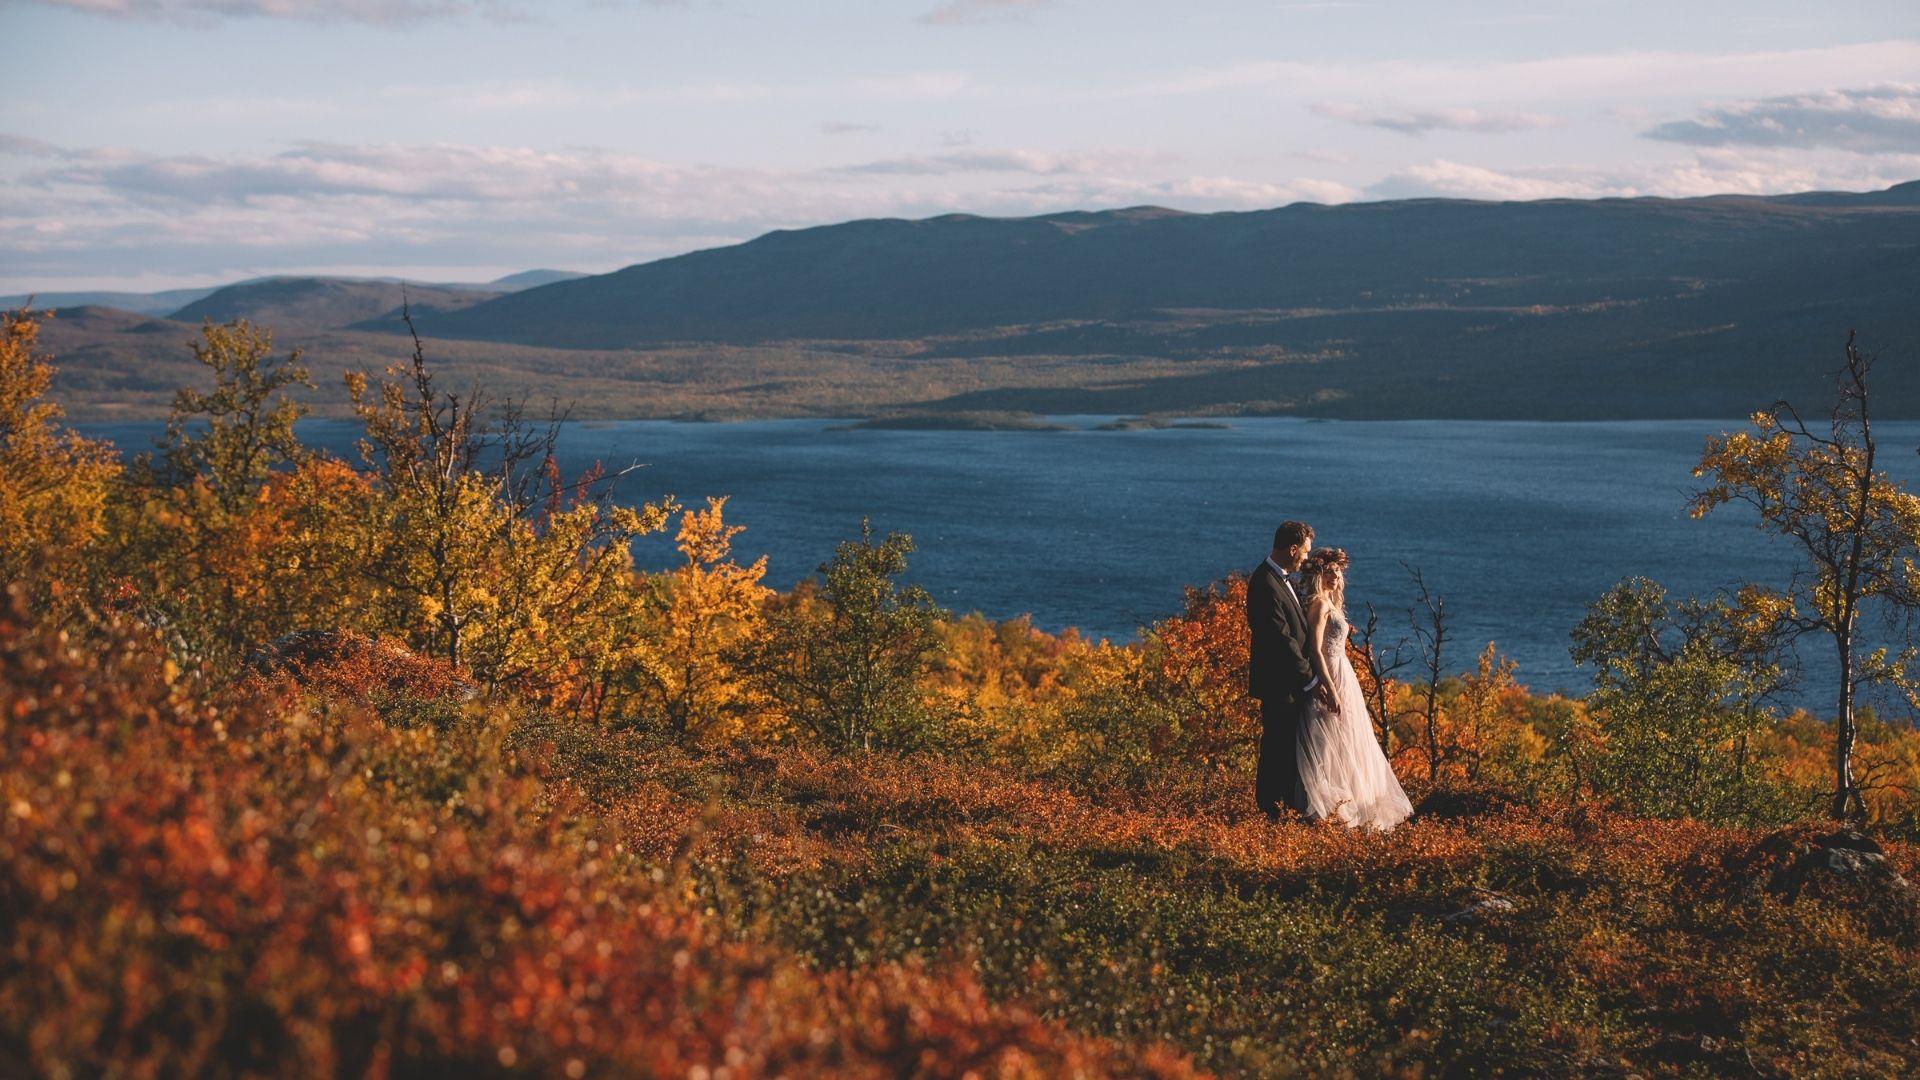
[[1321, 560]]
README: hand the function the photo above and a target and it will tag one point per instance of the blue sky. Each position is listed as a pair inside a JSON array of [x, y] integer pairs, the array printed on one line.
[[155, 143]]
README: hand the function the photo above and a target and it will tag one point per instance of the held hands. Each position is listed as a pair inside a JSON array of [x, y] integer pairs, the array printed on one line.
[[1324, 693]]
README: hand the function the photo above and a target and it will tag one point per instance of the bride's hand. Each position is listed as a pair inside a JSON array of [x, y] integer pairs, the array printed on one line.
[[1325, 693]]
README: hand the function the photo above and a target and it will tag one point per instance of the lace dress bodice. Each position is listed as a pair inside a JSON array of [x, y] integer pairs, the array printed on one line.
[[1333, 645]]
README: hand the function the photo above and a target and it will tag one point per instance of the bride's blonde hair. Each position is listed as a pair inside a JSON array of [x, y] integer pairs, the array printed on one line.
[[1321, 562]]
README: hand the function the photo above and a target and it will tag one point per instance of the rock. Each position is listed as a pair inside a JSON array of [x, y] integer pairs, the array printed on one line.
[[1866, 867], [1851, 840], [1481, 910], [1846, 858]]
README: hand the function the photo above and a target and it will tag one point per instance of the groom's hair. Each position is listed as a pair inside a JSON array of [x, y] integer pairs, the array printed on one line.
[[1290, 534]]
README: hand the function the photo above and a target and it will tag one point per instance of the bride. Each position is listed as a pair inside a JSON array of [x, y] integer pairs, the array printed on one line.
[[1343, 772]]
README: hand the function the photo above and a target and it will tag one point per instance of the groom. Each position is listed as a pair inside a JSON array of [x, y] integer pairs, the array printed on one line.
[[1279, 673]]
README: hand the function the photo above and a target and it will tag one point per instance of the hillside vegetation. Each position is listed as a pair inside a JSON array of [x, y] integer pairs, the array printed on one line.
[[398, 766]]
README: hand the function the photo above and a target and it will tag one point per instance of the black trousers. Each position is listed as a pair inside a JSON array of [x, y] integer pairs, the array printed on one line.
[[1276, 782]]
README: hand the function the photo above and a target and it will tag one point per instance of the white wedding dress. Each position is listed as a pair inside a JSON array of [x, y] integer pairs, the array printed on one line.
[[1343, 772]]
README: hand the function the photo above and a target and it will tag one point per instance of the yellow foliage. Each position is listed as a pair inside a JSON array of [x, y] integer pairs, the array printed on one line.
[[466, 566], [231, 575], [53, 483], [685, 629]]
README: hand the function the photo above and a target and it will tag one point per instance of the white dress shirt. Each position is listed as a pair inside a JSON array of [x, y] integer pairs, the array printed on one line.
[[1287, 580]]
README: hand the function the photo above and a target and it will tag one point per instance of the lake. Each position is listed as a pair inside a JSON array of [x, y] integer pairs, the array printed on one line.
[[1517, 525]]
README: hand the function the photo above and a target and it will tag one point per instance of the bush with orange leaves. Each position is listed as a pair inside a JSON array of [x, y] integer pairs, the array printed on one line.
[[225, 883], [1197, 665]]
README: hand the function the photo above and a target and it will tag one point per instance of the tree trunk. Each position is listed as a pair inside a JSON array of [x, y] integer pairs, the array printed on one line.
[[1846, 797], [1433, 738]]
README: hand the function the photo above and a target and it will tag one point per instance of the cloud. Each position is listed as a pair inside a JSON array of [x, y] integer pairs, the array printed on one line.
[[1003, 161], [77, 214], [23, 146], [1710, 172], [1577, 80], [842, 127], [1451, 179], [1324, 157], [1881, 119], [373, 12], [72, 214], [1194, 193], [1421, 121], [967, 12]]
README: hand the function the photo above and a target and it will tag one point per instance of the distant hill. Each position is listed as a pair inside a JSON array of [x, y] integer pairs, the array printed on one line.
[[89, 320], [172, 300], [889, 279], [527, 279], [158, 303], [324, 303], [1555, 309]]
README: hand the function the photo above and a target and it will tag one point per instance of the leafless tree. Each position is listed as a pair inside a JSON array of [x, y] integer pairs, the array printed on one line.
[[1428, 616], [1381, 665]]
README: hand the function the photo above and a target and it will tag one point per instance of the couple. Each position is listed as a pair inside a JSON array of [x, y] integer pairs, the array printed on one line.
[[1318, 753]]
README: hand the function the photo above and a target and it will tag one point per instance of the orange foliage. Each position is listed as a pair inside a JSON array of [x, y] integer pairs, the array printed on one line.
[[53, 483], [348, 666], [198, 885], [1200, 656]]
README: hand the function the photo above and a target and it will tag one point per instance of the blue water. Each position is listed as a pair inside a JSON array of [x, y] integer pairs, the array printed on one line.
[[1518, 525]]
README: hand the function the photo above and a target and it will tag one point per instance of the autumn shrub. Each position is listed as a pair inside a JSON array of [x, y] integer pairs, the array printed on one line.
[[1003, 681], [229, 531], [679, 648], [54, 484], [1197, 667], [477, 550], [1680, 692], [210, 882], [346, 668], [1168, 712], [1855, 533], [1055, 705], [846, 664]]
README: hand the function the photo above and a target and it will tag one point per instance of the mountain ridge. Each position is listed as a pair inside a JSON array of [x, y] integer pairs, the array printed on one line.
[[168, 302], [1431, 308], [894, 277]]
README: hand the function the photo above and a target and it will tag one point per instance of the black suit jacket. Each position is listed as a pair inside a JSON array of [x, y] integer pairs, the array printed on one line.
[[1277, 664]]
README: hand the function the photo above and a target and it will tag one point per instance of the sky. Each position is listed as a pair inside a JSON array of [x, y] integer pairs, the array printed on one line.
[[150, 144]]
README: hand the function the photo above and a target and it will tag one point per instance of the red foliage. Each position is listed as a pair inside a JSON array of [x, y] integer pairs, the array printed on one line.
[[1202, 658], [351, 665], [199, 884]]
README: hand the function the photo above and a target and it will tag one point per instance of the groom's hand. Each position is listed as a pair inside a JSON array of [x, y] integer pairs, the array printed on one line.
[[1325, 693]]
